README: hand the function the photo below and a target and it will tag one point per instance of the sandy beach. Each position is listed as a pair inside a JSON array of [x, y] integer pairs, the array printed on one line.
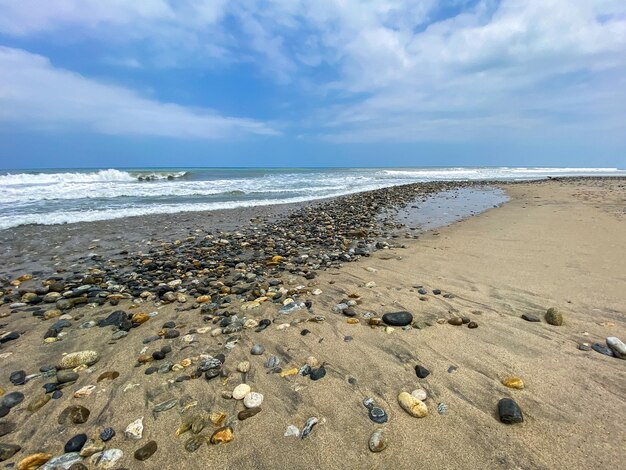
[[556, 243]]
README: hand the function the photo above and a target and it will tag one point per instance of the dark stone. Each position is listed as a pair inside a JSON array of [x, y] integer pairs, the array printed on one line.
[[18, 377], [509, 412], [151, 370], [472, 325], [465, 320], [377, 415], [11, 399], [147, 451], [7, 427], [349, 312], [166, 349], [117, 318], [305, 332], [50, 387], [347, 339], [9, 337], [170, 334], [107, 434], [64, 376], [8, 450], [456, 321], [212, 373], [421, 372], [169, 324], [56, 394], [262, 325], [436, 291], [398, 318], [317, 373], [530, 317], [422, 291], [77, 414], [248, 413], [158, 355], [76, 443], [602, 349], [150, 339]]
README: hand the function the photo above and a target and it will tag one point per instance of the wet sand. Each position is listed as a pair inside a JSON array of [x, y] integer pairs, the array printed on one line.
[[554, 244]]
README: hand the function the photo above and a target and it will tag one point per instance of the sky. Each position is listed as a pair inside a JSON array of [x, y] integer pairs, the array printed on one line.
[[127, 83]]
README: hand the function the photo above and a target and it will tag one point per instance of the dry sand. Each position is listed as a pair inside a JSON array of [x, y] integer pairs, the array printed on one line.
[[555, 244]]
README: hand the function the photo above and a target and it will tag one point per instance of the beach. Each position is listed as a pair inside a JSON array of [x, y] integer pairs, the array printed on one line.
[[555, 243]]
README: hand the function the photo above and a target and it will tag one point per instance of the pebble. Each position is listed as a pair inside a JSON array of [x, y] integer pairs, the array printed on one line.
[[257, 350], [65, 376], [471, 325], [194, 443], [377, 441], [292, 431], [375, 413], [554, 317], [530, 317], [420, 394], [77, 414], [106, 459], [76, 443], [11, 400], [7, 427], [421, 372], [18, 377], [509, 412], [33, 461], [272, 362], [248, 413], [308, 426], [166, 405], [8, 450], [456, 321], [317, 373], [602, 349], [402, 318], [79, 358], [147, 451], [243, 367], [38, 403], [513, 382], [253, 400], [135, 429], [412, 405], [617, 346], [241, 391], [584, 347], [442, 408], [222, 435], [91, 448]]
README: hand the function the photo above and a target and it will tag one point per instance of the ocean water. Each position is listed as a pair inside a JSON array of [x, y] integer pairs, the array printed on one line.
[[66, 196]]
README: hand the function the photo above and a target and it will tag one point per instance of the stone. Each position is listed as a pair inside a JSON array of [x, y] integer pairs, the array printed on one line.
[[272, 362], [79, 358], [248, 413], [308, 426], [241, 391], [602, 349], [292, 431], [442, 408], [317, 373], [18, 377], [166, 405], [257, 350], [106, 459], [194, 443], [76, 414], [38, 403], [421, 372], [33, 461], [216, 417], [253, 400], [509, 412], [65, 376], [377, 441], [456, 321], [147, 451], [11, 400], [554, 317], [107, 434], [8, 450], [471, 325], [402, 318], [222, 435], [76, 443], [135, 429], [412, 405], [243, 367], [617, 346], [91, 448], [584, 347], [513, 382], [420, 394], [530, 317]]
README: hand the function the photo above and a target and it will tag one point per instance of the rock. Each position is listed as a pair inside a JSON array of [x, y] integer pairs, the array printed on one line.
[[107, 434], [76, 414], [79, 358], [166, 405], [412, 405], [65, 376], [243, 367], [241, 391], [253, 400], [513, 382], [147, 451], [8, 450], [375, 413], [421, 372], [471, 325], [442, 408], [135, 429], [248, 413], [91, 448], [308, 426], [617, 346], [554, 317], [509, 412], [18, 377], [257, 350], [76, 443], [398, 318], [377, 441], [272, 362], [602, 349], [38, 402], [222, 435], [107, 459], [456, 321], [420, 394], [584, 347], [531, 318], [11, 400], [292, 431], [317, 373], [33, 461], [194, 443]]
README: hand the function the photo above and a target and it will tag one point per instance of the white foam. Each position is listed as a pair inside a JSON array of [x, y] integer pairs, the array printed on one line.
[[498, 173], [56, 178]]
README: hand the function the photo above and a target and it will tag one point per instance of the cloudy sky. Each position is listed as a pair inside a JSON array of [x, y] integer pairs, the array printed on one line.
[[309, 83]]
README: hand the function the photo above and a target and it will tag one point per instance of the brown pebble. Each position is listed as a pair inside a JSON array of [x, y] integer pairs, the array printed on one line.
[[472, 324], [456, 321], [222, 435], [147, 451], [249, 413]]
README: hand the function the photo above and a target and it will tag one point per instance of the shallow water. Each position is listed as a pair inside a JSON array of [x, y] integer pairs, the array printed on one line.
[[446, 207]]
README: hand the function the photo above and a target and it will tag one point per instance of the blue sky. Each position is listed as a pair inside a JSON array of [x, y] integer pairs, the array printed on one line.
[[87, 83]]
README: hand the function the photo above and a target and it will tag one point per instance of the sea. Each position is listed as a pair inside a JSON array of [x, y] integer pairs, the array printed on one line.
[[60, 196]]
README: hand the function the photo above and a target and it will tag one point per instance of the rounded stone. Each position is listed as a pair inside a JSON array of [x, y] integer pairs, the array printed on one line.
[[76, 414], [147, 451], [11, 399], [247, 413], [412, 405], [241, 391], [513, 382], [79, 358], [243, 366], [76, 443], [253, 400], [617, 346], [64, 376], [472, 325], [257, 350], [554, 317], [317, 373], [420, 394], [509, 412], [18, 377], [8, 450], [377, 441], [107, 434], [421, 372], [456, 321], [402, 318], [222, 435]]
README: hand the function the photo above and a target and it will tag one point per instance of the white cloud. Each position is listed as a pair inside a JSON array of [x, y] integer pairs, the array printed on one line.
[[35, 94]]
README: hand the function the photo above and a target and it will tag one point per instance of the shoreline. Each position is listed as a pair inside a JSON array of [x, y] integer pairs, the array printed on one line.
[[554, 244]]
